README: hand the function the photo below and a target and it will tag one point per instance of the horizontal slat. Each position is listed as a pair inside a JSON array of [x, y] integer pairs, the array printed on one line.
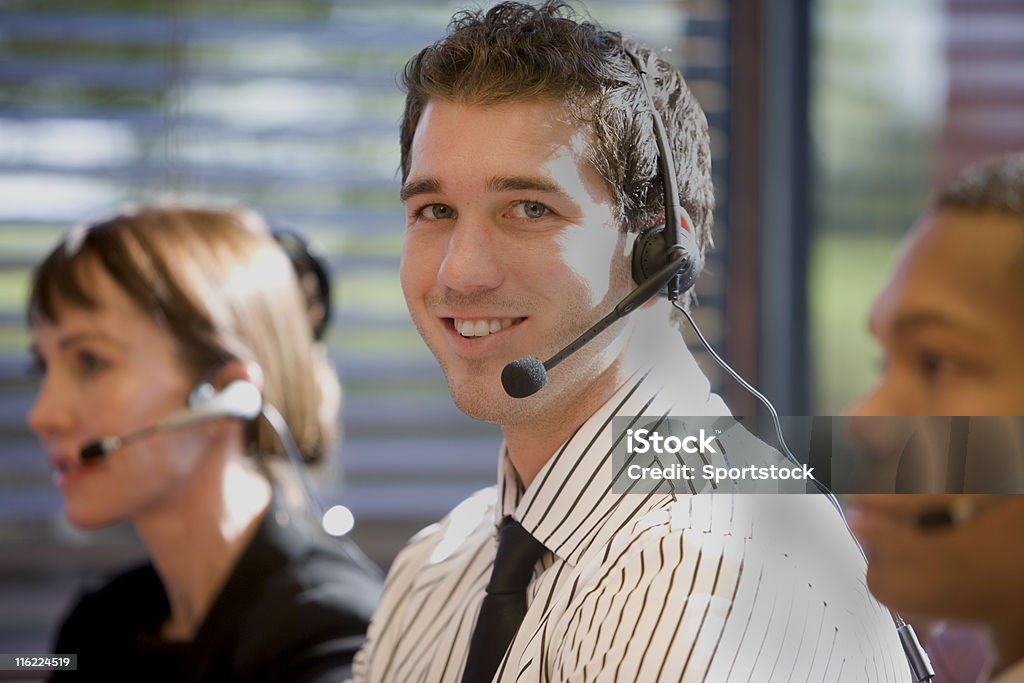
[[399, 459], [154, 76], [375, 221], [365, 455], [340, 320], [13, 371], [397, 501], [148, 123], [150, 126], [214, 177], [351, 33]]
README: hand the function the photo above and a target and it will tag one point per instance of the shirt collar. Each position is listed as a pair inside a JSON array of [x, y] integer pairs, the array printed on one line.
[[570, 507]]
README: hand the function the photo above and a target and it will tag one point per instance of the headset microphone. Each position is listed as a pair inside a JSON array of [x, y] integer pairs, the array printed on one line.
[[527, 376], [958, 512], [240, 399]]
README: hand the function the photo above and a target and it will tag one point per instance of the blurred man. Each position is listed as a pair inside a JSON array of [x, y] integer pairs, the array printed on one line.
[[529, 168], [951, 325], [951, 320], [968, 571]]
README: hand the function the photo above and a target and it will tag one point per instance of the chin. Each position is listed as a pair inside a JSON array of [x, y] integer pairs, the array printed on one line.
[[483, 398], [906, 592], [90, 518], [481, 405]]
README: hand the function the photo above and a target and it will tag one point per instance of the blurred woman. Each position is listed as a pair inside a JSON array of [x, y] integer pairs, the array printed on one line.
[[134, 319]]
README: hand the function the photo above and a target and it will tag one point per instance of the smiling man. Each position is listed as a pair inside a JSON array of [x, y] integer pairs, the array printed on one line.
[[529, 166]]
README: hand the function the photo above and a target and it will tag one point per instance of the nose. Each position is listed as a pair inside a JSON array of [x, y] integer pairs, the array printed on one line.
[[50, 414], [887, 398], [899, 455], [866, 405], [472, 262], [865, 426]]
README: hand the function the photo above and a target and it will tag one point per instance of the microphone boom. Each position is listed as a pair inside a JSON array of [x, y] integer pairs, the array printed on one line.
[[240, 399], [526, 376]]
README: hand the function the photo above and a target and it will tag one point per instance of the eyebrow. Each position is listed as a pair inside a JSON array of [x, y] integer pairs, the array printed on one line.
[[513, 183], [71, 340], [417, 187], [496, 184], [909, 323], [77, 338]]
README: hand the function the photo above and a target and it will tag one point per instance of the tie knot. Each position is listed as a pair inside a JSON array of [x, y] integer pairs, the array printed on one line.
[[518, 552]]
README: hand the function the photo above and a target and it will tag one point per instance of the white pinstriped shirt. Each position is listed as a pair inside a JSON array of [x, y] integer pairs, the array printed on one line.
[[718, 588]]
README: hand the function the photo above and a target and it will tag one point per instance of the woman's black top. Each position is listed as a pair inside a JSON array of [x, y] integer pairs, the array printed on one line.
[[294, 608]]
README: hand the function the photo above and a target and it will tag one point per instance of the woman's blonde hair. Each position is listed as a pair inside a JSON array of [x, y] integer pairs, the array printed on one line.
[[218, 282]]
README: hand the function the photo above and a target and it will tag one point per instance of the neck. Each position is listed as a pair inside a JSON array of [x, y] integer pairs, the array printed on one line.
[[195, 539], [533, 442], [530, 445]]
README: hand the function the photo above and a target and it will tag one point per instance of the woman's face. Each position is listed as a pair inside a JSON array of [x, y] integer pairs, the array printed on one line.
[[112, 371]]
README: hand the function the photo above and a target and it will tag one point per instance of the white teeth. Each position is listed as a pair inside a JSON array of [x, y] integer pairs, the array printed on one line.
[[481, 328]]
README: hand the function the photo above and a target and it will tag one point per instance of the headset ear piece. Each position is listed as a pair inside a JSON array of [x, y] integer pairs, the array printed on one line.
[[314, 277], [649, 253], [203, 392], [691, 266], [230, 376], [240, 399]]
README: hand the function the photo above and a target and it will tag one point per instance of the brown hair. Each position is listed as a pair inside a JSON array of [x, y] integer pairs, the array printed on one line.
[[515, 51], [221, 286], [995, 185]]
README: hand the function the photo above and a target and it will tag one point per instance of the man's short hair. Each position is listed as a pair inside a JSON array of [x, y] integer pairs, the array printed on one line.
[[994, 185], [515, 51]]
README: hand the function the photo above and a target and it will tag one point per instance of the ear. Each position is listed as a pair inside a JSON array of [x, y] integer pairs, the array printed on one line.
[[236, 370]]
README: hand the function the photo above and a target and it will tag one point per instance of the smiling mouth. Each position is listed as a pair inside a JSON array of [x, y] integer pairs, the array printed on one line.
[[482, 327]]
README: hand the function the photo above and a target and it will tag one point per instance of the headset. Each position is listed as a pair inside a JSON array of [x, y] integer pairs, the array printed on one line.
[[960, 511], [657, 246], [314, 277], [667, 260]]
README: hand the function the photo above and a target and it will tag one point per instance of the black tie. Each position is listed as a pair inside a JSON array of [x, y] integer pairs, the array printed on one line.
[[504, 605]]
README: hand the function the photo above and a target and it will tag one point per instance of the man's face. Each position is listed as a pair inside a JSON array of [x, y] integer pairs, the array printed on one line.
[[951, 321], [511, 250]]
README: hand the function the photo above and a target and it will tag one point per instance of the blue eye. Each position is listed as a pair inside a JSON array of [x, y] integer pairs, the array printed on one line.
[[531, 210], [437, 212]]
